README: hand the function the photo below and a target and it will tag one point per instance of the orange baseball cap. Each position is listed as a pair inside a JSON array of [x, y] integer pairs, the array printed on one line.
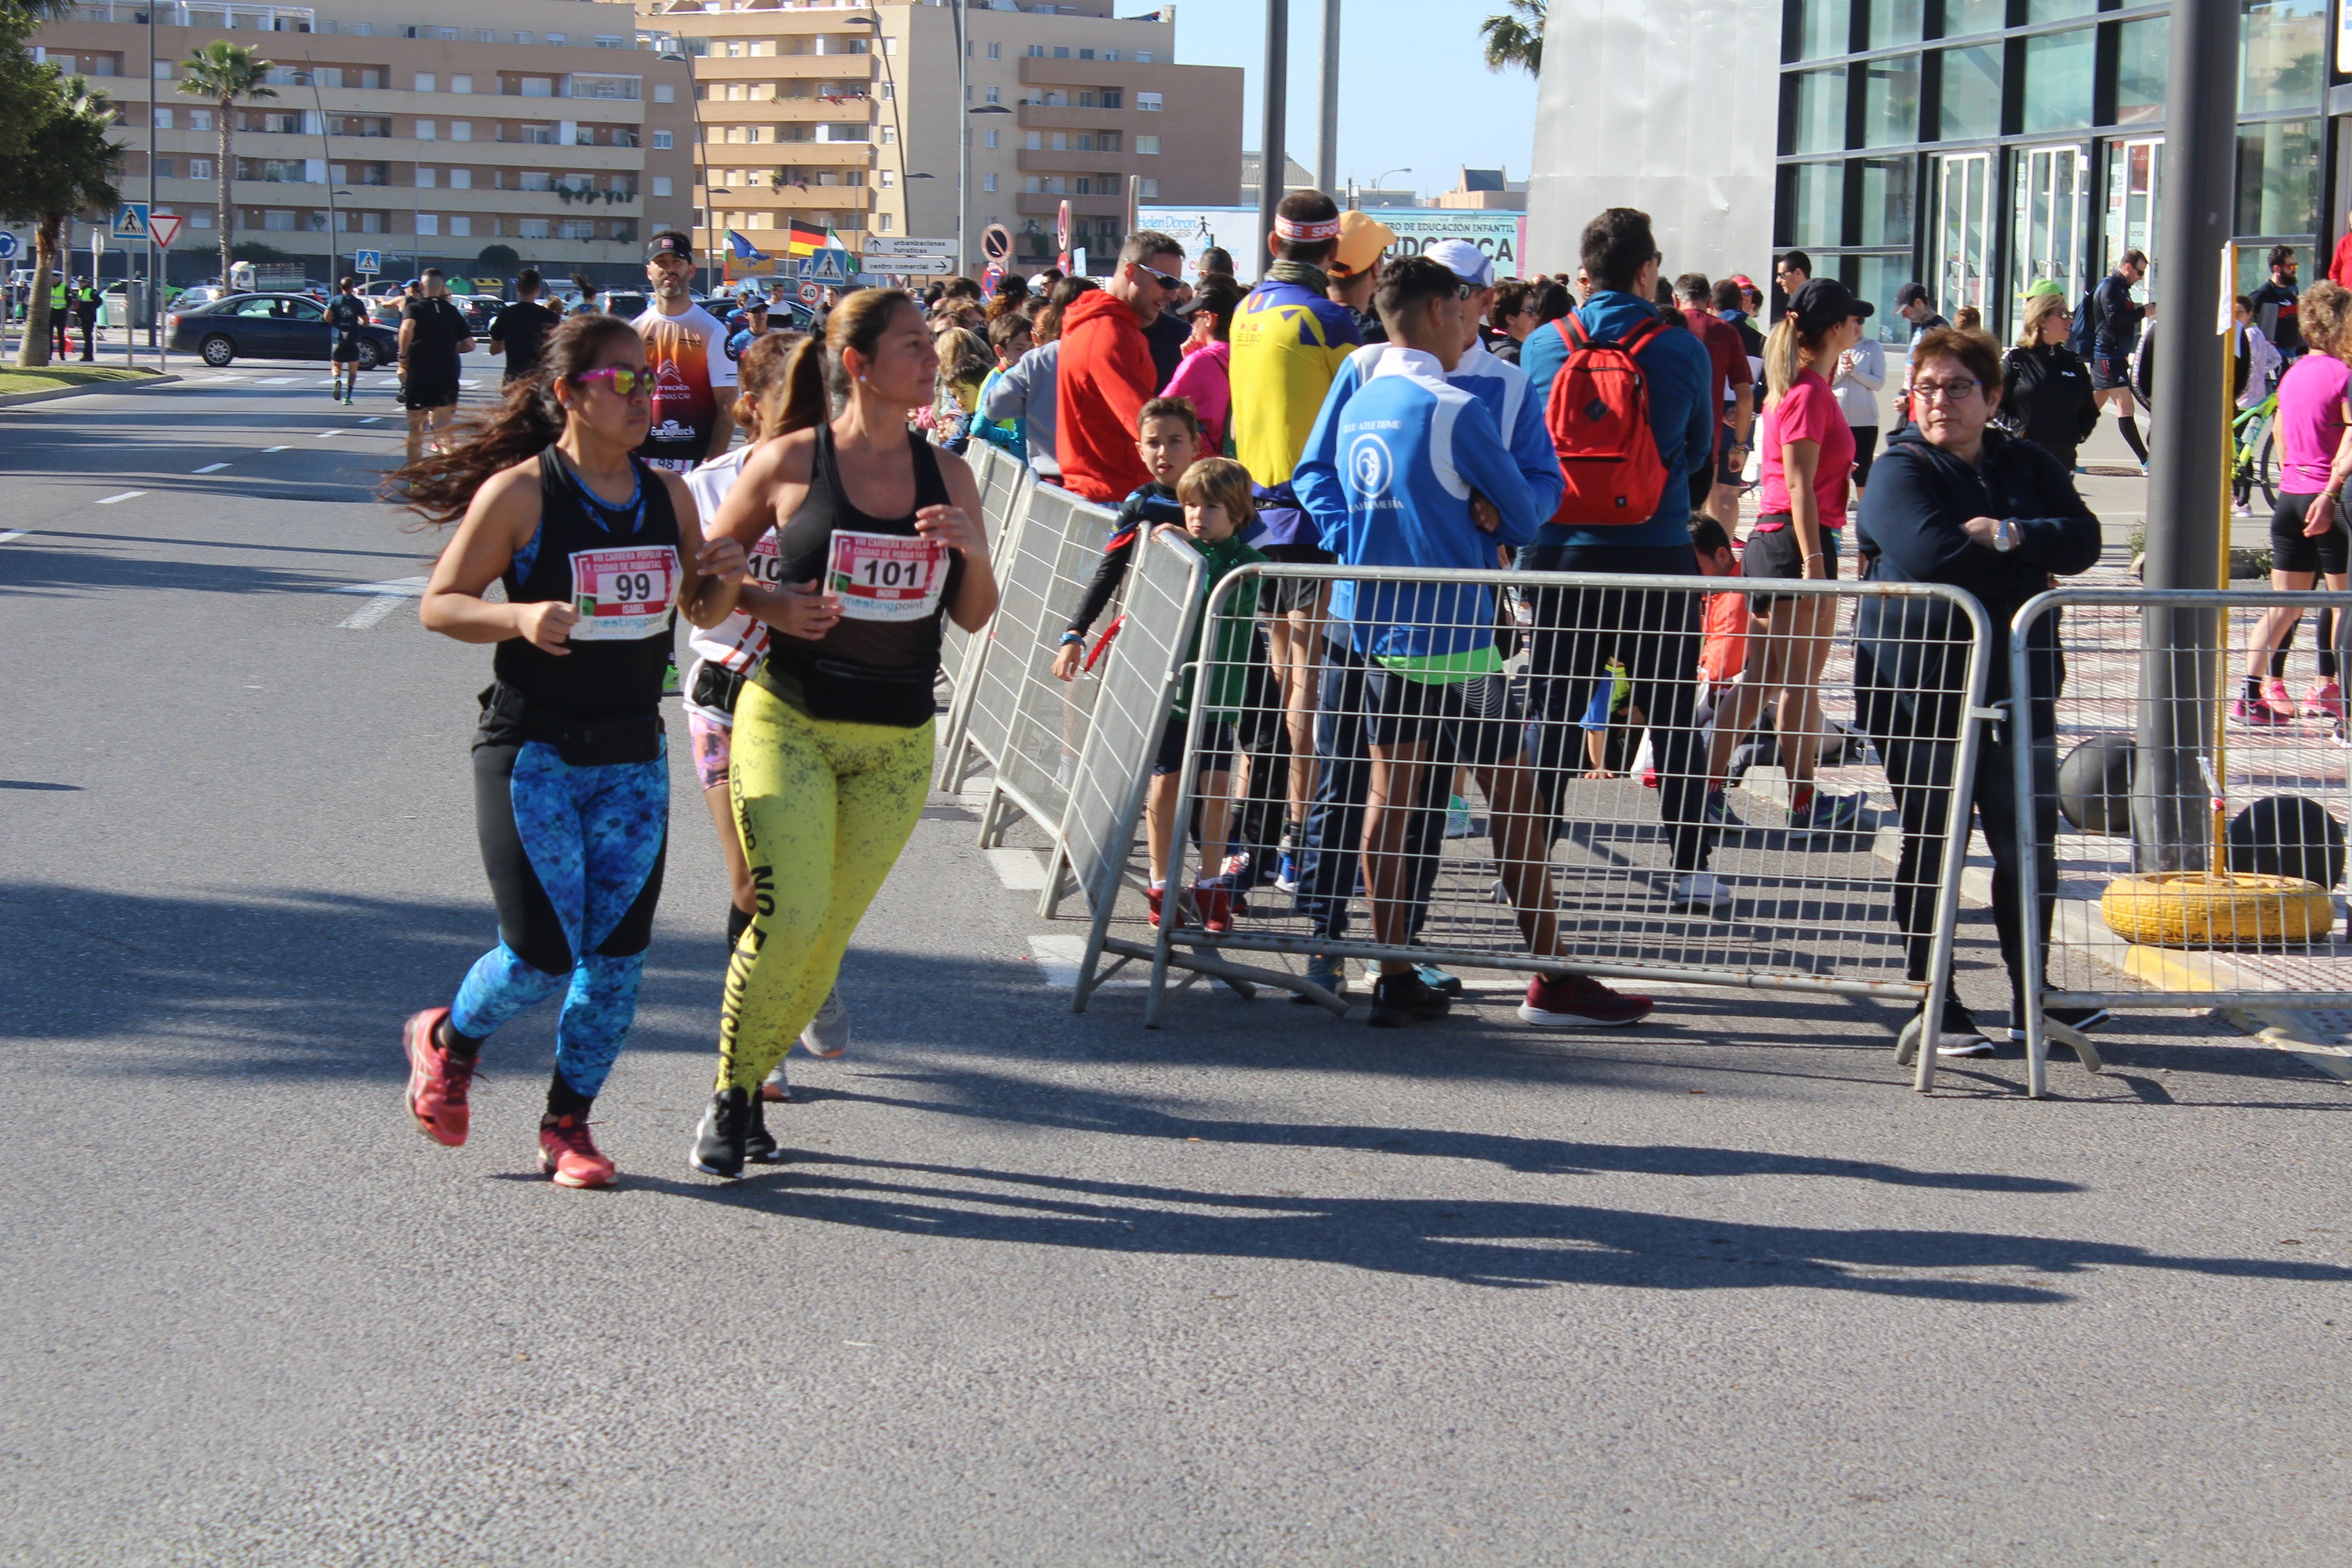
[[1363, 238]]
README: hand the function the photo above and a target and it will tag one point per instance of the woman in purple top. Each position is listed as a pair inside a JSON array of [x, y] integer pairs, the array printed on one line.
[[2308, 530]]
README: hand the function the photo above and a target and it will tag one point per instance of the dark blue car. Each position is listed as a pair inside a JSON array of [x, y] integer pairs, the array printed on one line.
[[270, 326]]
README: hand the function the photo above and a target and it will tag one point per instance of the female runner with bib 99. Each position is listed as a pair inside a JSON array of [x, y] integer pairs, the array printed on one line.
[[570, 778], [878, 535]]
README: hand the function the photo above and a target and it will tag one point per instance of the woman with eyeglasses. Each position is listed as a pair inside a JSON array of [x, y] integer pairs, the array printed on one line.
[[1808, 458], [1955, 499], [879, 536], [570, 782]]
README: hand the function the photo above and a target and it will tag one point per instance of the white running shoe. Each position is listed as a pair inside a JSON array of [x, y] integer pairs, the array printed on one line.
[[1702, 892], [827, 1033], [777, 1089]]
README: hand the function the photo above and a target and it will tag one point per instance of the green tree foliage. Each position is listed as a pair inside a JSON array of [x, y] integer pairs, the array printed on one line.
[[225, 73], [68, 166], [22, 93], [1516, 37]]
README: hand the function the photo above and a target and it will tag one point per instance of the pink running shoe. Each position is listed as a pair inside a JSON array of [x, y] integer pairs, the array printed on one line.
[[2326, 699], [2279, 702], [439, 1081], [569, 1154], [2256, 713]]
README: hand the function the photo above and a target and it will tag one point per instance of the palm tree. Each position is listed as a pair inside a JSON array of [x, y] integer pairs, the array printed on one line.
[[226, 73], [1516, 37], [69, 167]]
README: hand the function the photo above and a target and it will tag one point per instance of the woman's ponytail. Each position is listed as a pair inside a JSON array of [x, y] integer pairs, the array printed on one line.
[[799, 400], [1782, 360]]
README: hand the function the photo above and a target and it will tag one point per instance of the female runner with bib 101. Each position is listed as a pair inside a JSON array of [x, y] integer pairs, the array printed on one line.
[[879, 537], [571, 776]]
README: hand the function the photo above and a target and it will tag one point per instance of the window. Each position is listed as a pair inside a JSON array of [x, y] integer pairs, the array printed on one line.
[[1821, 110], [200, 168], [1147, 190], [750, 133], [162, 119], [1890, 101], [425, 81], [665, 92], [531, 228], [661, 184], [1061, 52], [1826, 29], [162, 168], [201, 218], [538, 180], [988, 182], [461, 179], [428, 223], [1033, 141], [576, 228], [461, 131], [1147, 102], [1061, 141], [1036, 51], [1033, 186], [164, 67], [888, 179], [1147, 146], [423, 177], [539, 86], [424, 131], [996, 51], [2278, 176], [1893, 22], [889, 136], [1972, 91], [1107, 141], [461, 84], [200, 119], [842, 132], [989, 138], [460, 225], [661, 140], [1886, 202], [1086, 142], [1144, 56], [1086, 101], [889, 89], [2280, 61], [1816, 205], [882, 222], [611, 41], [1110, 54], [1085, 53], [734, 48], [1111, 97], [992, 95], [2058, 81]]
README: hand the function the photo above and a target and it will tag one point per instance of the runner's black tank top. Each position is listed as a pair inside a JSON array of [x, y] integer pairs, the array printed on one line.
[[599, 678], [870, 673]]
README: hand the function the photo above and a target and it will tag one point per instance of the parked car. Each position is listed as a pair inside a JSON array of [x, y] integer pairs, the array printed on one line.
[[269, 326], [200, 294], [626, 303], [480, 309]]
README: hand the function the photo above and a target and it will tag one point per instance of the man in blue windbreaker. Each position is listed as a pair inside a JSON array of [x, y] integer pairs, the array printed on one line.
[[1390, 476]]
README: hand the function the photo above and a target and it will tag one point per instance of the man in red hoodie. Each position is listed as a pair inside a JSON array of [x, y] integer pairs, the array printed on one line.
[[1106, 375]]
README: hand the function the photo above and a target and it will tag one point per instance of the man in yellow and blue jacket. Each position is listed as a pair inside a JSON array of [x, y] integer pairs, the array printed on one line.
[[1289, 339]]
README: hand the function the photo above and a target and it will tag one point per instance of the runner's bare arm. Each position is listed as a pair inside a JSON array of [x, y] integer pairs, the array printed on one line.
[[957, 526], [713, 568], [501, 520]]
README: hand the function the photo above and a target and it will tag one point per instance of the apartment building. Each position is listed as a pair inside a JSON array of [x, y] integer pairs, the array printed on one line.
[[847, 116], [406, 126]]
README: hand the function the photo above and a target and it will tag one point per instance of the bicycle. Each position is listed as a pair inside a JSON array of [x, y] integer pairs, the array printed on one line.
[[2255, 453]]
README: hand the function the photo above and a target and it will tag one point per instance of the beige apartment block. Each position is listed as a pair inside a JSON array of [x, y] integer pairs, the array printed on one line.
[[556, 130], [847, 116]]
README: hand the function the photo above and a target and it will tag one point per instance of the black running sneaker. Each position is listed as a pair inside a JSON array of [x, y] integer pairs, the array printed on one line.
[[760, 1144], [1401, 999], [720, 1143], [2083, 1020]]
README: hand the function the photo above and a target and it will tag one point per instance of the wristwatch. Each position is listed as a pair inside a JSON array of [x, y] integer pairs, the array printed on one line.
[[2004, 538]]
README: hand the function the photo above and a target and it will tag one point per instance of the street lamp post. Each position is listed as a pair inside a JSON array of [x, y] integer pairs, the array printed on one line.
[[1272, 163], [327, 148], [154, 294], [680, 56], [1327, 118]]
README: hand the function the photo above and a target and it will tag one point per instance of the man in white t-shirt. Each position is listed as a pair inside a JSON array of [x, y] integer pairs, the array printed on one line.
[[693, 380]]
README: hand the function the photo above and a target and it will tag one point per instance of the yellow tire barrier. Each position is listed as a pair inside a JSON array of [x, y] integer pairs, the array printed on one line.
[[2199, 908]]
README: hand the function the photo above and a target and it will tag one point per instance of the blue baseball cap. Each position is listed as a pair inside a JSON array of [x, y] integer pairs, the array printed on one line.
[[1465, 260]]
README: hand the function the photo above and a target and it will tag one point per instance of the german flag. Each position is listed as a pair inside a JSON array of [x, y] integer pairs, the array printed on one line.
[[804, 239]]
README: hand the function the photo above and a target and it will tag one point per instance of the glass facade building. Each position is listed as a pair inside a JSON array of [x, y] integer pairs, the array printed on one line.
[[1981, 146]]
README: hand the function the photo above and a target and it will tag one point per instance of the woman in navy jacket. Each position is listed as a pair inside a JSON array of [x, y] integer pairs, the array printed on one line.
[[1959, 501]]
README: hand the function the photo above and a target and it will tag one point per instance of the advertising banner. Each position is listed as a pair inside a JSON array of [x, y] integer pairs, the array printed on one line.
[[1497, 234]]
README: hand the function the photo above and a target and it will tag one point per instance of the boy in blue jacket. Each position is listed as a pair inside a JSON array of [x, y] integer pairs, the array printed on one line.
[[1390, 475]]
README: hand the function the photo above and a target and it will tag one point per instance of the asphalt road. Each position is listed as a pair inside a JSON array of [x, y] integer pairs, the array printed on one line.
[[1260, 1287]]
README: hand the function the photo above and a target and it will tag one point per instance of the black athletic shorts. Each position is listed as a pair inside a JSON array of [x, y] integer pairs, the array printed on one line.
[[1476, 721], [1775, 553], [1865, 449], [2293, 551], [346, 349], [2110, 370], [1280, 595], [1216, 747]]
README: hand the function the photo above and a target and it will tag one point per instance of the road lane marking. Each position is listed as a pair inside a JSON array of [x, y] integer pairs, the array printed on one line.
[[371, 418], [266, 450], [324, 434], [209, 469], [1019, 869], [396, 587], [280, 380], [1060, 958], [369, 614], [14, 535], [126, 495]]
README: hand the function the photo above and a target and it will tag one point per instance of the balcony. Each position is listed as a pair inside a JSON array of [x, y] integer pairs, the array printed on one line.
[[1039, 117], [1029, 205], [1129, 75], [1030, 162]]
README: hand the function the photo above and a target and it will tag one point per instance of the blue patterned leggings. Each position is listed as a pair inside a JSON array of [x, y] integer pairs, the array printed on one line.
[[574, 857]]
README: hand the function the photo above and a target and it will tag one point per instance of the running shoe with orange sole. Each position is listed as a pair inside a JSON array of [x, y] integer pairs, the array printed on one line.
[[2281, 702], [568, 1152], [439, 1081]]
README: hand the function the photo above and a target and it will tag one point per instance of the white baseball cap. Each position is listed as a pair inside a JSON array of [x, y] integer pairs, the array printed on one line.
[[1465, 260]]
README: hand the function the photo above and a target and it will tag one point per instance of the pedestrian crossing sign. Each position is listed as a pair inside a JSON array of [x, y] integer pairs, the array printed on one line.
[[130, 221], [367, 261], [825, 266]]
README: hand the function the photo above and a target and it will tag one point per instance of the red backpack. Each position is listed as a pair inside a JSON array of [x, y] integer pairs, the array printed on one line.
[[1598, 416]]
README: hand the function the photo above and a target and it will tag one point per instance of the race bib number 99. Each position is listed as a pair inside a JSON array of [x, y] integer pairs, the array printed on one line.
[[623, 594], [886, 577]]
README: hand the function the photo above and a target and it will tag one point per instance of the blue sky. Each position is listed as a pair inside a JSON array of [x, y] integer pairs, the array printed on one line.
[[1414, 89]]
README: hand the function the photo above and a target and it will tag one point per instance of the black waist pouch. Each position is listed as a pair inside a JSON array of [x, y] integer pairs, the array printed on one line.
[[510, 719], [715, 686], [844, 691]]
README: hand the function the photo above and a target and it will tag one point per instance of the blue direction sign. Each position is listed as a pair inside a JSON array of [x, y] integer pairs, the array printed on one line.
[[130, 221], [367, 261], [8, 245]]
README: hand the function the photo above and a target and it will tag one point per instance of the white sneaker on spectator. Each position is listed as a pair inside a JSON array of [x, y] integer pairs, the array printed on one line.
[[827, 1033], [1702, 892]]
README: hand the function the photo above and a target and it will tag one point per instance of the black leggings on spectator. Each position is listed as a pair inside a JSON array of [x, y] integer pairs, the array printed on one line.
[[1330, 850], [1921, 774], [1656, 635], [2325, 651]]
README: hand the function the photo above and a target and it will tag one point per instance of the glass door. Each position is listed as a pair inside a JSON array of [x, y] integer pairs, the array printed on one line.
[[2052, 191], [2134, 195], [1962, 259]]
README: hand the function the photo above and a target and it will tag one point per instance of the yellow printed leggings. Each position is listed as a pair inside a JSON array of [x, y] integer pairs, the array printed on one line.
[[824, 807]]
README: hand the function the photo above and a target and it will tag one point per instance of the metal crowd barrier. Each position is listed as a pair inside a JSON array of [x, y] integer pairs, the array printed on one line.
[[2157, 774], [1005, 483], [1030, 725], [1561, 818]]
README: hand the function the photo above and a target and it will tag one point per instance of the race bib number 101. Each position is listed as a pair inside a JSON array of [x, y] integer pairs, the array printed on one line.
[[886, 577], [623, 594]]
